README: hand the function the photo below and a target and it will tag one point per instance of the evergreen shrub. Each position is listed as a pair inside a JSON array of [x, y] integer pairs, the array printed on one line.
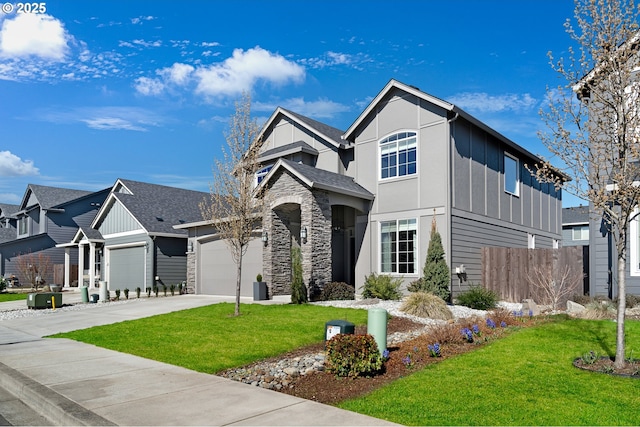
[[478, 298], [336, 291], [382, 286], [352, 356]]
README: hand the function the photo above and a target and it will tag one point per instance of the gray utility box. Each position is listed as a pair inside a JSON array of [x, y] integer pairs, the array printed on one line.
[[335, 327], [44, 300]]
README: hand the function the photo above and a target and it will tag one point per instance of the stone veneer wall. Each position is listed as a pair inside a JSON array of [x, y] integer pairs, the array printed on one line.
[[288, 194], [191, 272]]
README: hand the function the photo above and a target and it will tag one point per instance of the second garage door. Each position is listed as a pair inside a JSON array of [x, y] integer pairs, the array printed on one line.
[[217, 270]]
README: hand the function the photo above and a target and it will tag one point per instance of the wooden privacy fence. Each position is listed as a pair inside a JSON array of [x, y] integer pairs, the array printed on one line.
[[58, 274], [510, 271]]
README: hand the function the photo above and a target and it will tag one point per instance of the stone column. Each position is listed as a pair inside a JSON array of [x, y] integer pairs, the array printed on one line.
[[316, 252]]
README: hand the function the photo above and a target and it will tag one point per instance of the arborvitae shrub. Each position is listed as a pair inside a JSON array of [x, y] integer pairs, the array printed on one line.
[[383, 286], [335, 291], [298, 289], [424, 304], [350, 355], [436, 277]]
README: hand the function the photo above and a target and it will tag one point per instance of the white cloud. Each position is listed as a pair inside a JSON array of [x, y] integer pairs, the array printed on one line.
[[178, 73], [31, 34], [243, 69], [113, 123], [12, 165], [232, 76], [147, 86], [209, 44], [141, 19], [485, 103]]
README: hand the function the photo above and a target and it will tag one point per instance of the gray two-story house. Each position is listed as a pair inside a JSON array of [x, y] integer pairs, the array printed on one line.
[[363, 200], [46, 217]]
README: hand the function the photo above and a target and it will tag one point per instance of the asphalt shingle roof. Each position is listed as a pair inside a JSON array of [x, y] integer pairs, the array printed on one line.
[[329, 180], [7, 210], [158, 208], [575, 215], [330, 131], [298, 145], [50, 197]]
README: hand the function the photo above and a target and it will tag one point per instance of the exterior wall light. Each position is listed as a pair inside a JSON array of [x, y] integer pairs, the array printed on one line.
[[265, 237], [303, 234], [190, 247]]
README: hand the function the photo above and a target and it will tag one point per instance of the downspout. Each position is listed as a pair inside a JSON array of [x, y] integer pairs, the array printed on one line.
[[448, 209]]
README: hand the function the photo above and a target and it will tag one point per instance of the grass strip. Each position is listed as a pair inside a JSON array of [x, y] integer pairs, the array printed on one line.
[[10, 296], [527, 378], [210, 339]]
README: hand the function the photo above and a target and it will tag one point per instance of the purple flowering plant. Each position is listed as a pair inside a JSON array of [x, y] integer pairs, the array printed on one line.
[[434, 350], [491, 324], [468, 335]]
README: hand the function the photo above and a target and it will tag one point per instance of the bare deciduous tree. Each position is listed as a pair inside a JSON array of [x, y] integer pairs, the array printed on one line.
[[554, 288], [34, 269], [232, 207], [593, 123]]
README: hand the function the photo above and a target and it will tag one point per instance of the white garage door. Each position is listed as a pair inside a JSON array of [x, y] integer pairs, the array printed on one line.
[[217, 270], [126, 268]]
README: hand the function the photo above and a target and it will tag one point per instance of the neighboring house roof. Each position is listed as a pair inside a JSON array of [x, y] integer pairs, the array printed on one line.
[[156, 207], [329, 133], [51, 197], [575, 215], [7, 210], [320, 179], [286, 150], [453, 109], [7, 234]]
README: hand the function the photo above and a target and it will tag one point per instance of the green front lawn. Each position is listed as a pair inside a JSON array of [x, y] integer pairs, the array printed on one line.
[[526, 378], [209, 339], [10, 296]]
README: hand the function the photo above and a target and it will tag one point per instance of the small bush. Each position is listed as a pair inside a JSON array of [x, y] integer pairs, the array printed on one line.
[[126, 293], [599, 310], [259, 277], [3, 284], [138, 290], [383, 286], [117, 294], [298, 289], [352, 356], [478, 298], [630, 300], [336, 291], [424, 304], [446, 334]]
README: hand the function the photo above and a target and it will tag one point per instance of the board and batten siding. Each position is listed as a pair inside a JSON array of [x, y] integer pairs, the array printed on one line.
[[118, 220], [478, 183], [171, 260]]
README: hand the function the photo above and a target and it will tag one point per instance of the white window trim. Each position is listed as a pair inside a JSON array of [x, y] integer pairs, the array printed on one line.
[[518, 182], [634, 250], [416, 251], [396, 177]]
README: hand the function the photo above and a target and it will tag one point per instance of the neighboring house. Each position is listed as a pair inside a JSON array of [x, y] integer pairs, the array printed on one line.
[[575, 232], [46, 217], [575, 226], [362, 200], [131, 241]]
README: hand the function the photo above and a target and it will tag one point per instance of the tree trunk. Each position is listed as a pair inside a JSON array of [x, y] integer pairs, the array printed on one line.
[[238, 282], [622, 303]]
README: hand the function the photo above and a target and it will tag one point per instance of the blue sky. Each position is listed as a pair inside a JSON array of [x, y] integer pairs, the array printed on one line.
[[92, 91]]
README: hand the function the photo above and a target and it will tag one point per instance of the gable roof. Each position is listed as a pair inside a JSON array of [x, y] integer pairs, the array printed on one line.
[[285, 150], [156, 207], [321, 179], [50, 197], [451, 108], [8, 210], [330, 134]]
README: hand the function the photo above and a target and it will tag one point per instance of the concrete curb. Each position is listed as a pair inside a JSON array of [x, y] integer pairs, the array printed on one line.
[[47, 402]]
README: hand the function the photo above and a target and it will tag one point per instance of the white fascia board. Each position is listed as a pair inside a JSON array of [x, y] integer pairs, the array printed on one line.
[[614, 187], [174, 235], [187, 225]]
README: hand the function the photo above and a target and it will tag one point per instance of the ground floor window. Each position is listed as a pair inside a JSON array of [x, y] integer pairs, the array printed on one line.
[[398, 246]]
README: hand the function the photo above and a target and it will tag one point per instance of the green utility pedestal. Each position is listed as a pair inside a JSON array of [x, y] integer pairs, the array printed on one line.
[[377, 327], [84, 294]]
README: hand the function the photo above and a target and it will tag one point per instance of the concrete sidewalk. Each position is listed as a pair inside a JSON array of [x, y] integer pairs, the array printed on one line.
[[72, 383]]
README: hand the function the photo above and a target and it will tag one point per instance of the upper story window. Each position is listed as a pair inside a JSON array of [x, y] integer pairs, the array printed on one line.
[[511, 175], [261, 173], [23, 225], [398, 155]]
